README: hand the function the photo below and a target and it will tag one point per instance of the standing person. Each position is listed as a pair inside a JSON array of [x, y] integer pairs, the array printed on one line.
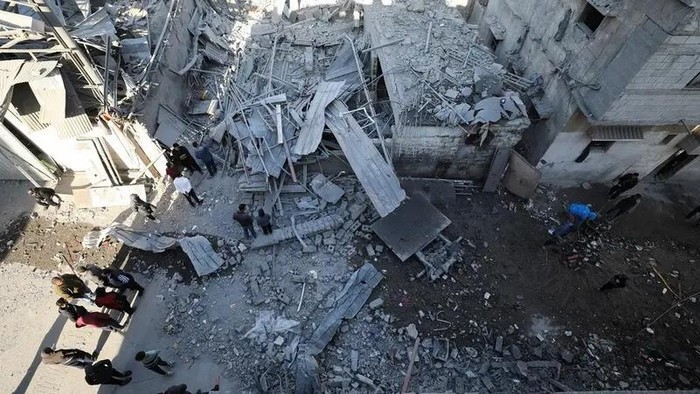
[[98, 320], [72, 312], [183, 157], [245, 220], [92, 273], [70, 357], [70, 287], [580, 213], [264, 221], [173, 170], [112, 300], [121, 280], [138, 205], [102, 372], [152, 361], [184, 186], [204, 154], [624, 183], [626, 205], [45, 196]]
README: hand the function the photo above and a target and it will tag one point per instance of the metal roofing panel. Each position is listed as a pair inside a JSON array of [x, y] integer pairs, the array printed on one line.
[[312, 130], [74, 126], [50, 92], [8, 71], [616, 133], [35, 70]]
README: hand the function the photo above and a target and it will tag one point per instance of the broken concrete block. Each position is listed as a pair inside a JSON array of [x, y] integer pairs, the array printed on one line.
[[279, 341], [412, 331], [356, 210], [416, 6], [376, 303], [242, 247], [515, 351], [451, 94], [309, 249], [522, 368], [498, 347], [379, 248], [487, 383], [337, 381], [484, 368], [354, 360], [364, 379], [567, 356], [370, 250]]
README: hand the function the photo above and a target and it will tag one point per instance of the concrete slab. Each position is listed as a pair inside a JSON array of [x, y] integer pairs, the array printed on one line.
[[411, 227]]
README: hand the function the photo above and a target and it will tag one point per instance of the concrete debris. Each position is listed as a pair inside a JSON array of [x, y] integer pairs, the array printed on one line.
[[267, 325], [376, 303], [326, 189], [412, 331]]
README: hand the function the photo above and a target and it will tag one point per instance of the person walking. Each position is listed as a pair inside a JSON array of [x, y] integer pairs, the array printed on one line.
[[70, 357], [92, 273], [245, 220], [71, 287], [152, 361], [98, 320], [45, 197], [140, 206], [626, 205], [264, 221], [203, 153], [70, 311], [184, 186], [181, 156], [102, 372], [112, 300], [624, 183], [122, 280]]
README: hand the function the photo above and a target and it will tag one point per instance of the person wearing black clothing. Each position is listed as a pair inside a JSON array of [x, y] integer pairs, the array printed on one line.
[[203, 153], [264, 221], [624, 183], [140, 206], [617, 282], [102, 372], [45, 196], [121, 280], [72, 312], [625, 205], [181, 156], [245, 220], [70, 357], [92, 273]]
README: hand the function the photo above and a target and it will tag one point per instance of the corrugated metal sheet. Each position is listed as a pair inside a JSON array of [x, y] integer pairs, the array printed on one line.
[[312, 129], [35, 70], [215, 53], [8, 72], [50, 92], [13, 153], [74, 126], [376, 175], [616, 133]]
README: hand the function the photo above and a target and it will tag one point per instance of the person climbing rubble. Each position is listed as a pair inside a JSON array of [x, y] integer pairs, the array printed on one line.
[[624, 183], [102, 372], [45, 197], [70, 287], [182, 157], [152, 361], [624, 206], [70, 357], [580, 213], [140, 206], [264, 221], [185, 188], [243, 217]]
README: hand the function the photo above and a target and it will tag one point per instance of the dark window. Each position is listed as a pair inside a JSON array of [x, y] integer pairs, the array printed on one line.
[[694, 83], [668, 139], [591, 18]]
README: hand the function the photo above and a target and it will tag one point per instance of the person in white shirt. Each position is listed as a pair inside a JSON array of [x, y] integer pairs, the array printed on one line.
[[184, 186]]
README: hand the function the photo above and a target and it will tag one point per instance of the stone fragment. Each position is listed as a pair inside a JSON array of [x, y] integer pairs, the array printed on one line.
[[515, 351], [487, 383], [412, 331], [354, 360], [376, 304], [522, 368], [370, 250], [279, 341], [498, 347]]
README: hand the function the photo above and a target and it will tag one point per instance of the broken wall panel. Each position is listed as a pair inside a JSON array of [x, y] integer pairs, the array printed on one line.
[[50, 92], [312, 129], [376, 175]]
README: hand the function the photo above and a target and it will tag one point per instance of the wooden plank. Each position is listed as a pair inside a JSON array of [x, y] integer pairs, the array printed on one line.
[[312, 129], [376, 175]]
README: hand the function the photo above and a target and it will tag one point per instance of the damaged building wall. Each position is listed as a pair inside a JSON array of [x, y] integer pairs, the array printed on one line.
[[606, 61]]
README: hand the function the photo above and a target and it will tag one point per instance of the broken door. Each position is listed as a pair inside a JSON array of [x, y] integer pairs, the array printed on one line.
[[521, 178]]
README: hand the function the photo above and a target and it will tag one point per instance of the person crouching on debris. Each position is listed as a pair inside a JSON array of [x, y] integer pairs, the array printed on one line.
[[70, 357], [184, 186], [580, 213], [140, 206], [181, 156], [152, 361], [558, 233], [624, 183], [624, 206], [121, 280], [72, 312], [204, 154], [112, 300], [245, 220], [70, 287], [264, 221], [617, 282], [102, 372], [45, 196], [98, 320]]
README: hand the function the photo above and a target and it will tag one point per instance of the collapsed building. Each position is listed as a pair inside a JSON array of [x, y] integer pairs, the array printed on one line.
[[616, 84]]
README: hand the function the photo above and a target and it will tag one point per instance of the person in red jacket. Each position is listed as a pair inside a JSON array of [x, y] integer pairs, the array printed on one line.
[[98, 320], [112, 300]]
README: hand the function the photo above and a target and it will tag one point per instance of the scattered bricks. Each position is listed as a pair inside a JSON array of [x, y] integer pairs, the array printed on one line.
[[337, 381], [370, 250], [354, 226], [537, 351], [331, 249], [343, 205], [376, 303], [242, 248], [522, 368], [498, 347], [366, 228], [356, 210], [412, 331], [279, 341], [367, 236], [329, 241], [515, 351], [487, 383], [567, 356], [484, 368], [379, 248], [347, 225], [364, 379], [318, 239], [284, 298], [309, 249], [354, 360], [460, 385]]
